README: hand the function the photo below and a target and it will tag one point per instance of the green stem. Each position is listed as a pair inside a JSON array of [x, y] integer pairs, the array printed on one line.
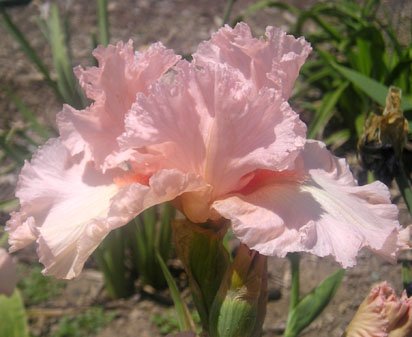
[[103, 22], [228, 10], [406, 273], [404, 187], [294, 259]]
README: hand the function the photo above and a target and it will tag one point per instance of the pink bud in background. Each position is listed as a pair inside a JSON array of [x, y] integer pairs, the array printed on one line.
[[8, 275], [382, 314]]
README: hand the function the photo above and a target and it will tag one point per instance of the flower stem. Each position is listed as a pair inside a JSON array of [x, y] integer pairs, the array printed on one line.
[[294, 259], [404, 187]]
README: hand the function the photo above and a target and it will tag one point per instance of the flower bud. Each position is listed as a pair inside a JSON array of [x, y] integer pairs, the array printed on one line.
[[382, 313], [240, 305]]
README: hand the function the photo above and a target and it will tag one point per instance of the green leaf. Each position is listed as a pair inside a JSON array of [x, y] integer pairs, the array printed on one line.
[[9, 205], [110, 257], [28, 50], [313, 304], [164, 233], [401, 66], [262, 4], [228, 11], [183, 315], [325, 111], [58, 39], [375, 90], [151, 232], [28, 115], [13, 322], [337, 139]]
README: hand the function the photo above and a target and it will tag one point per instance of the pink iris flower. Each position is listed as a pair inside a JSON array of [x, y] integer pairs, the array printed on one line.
[[217, 137]]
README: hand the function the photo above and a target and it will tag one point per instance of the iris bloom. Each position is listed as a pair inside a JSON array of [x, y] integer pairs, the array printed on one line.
[[217, 137], [382, 314]]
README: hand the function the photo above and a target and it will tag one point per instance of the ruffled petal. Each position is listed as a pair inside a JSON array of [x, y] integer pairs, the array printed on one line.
[[21, 230], [61, 198], [273, 61], [68, 206], [112, 86], [318, 209], [208, 121], [164, 185]]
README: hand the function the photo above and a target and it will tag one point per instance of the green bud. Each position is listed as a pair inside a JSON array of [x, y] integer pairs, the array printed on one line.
[[206, 260], [240, 305]]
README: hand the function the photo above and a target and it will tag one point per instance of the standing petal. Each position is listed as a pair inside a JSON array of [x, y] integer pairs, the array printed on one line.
[[273, 61], [113, 87], [211, 123], [318, 209]]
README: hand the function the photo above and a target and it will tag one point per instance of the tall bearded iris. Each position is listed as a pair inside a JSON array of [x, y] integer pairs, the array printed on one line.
[[217, 137]]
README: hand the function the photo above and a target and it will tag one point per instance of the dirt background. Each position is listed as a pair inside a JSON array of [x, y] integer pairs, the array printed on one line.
[[181, 25]]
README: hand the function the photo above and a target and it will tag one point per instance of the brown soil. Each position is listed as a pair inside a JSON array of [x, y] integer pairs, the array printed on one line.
[[181, 25]]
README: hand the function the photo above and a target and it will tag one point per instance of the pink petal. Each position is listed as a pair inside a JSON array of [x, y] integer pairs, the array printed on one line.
[[21, 230], [8, 273], [113, 87], [318, 209], [209, 122], [165, 185], [380, 314], [61, 197], [69, 206], [273, 61]]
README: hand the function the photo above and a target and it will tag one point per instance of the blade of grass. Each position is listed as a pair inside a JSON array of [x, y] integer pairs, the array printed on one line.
[[183, 315], [149, 221], [228, 11], [29, 51], [58, 42], [138, 245], [28, 115], [337, 139], [164, 237], [3, 238], [260, 5], [110, 256], [9, 205], [402, 66], [325, 111], [18, 154]]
